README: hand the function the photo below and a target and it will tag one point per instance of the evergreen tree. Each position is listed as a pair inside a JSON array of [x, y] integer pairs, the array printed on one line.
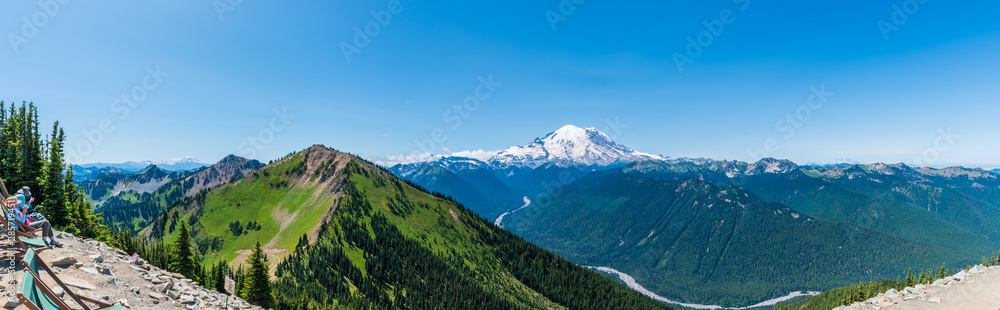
[[910, 281], [27, 160], [303, 242], [239, 275], [30, 161], [8, 145], [182, 261], [257, 285], [53, 186], [219, 274], [199, 270]]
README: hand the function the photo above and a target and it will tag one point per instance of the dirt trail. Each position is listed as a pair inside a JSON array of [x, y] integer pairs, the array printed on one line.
[[977, 288]]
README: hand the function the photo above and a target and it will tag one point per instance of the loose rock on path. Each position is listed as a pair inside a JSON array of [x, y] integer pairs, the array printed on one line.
[[98, 271], [972, 289]]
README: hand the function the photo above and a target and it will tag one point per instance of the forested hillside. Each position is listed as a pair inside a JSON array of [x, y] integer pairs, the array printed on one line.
[[894, 199], [692, 241]]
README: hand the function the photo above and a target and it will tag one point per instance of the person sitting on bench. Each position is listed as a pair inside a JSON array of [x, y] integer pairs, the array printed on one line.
[[16, 204]]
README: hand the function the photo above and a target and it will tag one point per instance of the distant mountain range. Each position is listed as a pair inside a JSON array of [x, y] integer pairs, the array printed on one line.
[[112, 181], [84, 172], [131, 199], [666, 221]]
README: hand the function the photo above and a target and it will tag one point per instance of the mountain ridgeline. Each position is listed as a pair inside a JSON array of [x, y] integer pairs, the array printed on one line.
[[349, 234], [109, 182], [132, 200]]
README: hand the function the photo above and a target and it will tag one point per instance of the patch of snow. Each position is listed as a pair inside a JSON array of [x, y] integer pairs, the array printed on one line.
[[570, 145]]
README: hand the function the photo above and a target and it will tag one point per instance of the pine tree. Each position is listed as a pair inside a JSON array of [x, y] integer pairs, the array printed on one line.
[[910, 281], [303, 242], [30, 161], [257, 285], [53, 186], [239, 275], [219, 274], [182, 261], [199, 270], [10, 135]]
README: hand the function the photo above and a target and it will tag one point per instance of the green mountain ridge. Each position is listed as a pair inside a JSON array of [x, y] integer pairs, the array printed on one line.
[[374, 240]]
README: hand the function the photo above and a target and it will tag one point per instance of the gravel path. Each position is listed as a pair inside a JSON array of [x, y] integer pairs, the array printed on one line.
[[976, 288], [98, 271]]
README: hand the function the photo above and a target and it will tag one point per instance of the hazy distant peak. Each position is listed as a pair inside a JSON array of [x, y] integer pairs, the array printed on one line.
[[771, 165]]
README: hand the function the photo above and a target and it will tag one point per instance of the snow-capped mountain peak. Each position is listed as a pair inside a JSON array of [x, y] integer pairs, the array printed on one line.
[[771, 165], [183, 160], [569, 145], [176, 164]]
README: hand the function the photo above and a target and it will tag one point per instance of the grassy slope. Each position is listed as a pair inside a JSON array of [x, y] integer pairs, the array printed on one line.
[[257, 200]]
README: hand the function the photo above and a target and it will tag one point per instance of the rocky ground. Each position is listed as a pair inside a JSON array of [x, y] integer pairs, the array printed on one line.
[[975, 288], [98, 271]]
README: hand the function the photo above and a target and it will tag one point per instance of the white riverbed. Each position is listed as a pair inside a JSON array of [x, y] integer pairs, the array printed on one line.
[[635, 286], [500, 219]]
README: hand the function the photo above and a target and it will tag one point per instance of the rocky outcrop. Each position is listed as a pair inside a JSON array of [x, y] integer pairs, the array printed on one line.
[[226, 170], [108, 274]]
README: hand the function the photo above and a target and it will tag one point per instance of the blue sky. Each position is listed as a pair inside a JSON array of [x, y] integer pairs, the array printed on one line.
[[926, 93]]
